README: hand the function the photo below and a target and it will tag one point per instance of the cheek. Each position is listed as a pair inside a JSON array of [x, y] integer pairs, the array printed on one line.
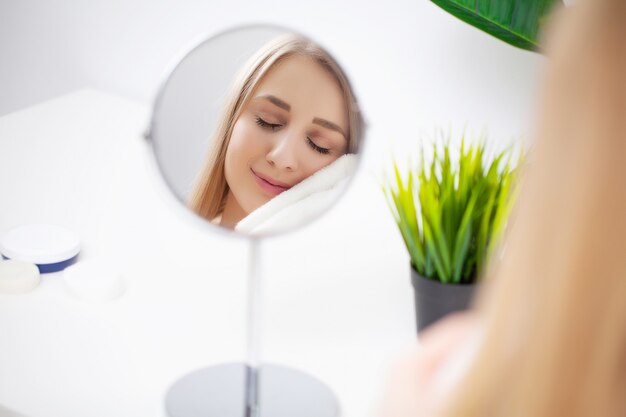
[[235, 156], [244, 148], [240, 149], [244, 143], [311, 163]]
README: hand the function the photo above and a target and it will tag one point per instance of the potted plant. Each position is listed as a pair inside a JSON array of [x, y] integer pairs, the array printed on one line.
[[451, 215]]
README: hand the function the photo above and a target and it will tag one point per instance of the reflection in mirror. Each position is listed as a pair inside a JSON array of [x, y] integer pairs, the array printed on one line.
[[282, 141]]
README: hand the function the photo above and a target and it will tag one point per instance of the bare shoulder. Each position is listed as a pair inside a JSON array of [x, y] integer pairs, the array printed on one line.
[[437, 343], [420, 379], [450, 329]]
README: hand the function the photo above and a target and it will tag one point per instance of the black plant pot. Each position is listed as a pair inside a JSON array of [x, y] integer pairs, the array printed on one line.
[[433, 299]]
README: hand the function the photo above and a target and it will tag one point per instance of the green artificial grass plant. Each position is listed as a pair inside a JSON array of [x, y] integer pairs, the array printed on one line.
[[450, 214]]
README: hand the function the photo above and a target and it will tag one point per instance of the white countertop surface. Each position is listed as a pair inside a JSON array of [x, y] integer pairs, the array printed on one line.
[[338, 301]]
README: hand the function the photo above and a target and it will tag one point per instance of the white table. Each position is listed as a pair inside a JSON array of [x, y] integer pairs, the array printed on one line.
[[338, 301]]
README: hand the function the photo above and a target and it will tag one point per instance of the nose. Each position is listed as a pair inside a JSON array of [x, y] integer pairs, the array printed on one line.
[[282, 154]]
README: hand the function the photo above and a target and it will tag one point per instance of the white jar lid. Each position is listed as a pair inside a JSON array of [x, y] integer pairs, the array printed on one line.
[[94, 280], [40, 244], [18, 277]]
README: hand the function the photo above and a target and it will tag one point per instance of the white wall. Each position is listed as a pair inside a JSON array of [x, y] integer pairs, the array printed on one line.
[[414, 66]]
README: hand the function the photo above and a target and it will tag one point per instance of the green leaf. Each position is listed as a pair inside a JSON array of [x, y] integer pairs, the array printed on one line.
[[429, 242], [406, 218], [483, 232], [517, 22], [464, 233]]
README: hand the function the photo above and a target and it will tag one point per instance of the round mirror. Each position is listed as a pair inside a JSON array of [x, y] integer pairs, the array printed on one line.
[[257, 130]]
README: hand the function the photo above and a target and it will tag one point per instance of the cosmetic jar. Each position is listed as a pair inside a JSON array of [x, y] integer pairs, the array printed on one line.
[[52, 248], [17, 277]]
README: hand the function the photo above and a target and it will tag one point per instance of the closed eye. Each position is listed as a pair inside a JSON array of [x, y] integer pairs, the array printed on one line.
[[323, 151], [267, 125]]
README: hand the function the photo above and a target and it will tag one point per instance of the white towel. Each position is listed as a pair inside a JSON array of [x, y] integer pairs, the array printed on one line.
[[303, 202]]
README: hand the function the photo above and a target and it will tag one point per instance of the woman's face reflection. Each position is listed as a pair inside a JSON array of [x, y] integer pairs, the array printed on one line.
[[295, 124]]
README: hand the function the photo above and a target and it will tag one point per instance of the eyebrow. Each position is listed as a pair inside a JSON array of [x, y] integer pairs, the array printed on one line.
[[328, 125], [278, 102], [318, 121]]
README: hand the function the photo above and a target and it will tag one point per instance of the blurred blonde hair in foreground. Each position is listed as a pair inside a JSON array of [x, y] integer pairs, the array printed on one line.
[[555, 304]]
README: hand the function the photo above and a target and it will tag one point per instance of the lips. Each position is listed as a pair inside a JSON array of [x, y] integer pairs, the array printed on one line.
[[268, 184]]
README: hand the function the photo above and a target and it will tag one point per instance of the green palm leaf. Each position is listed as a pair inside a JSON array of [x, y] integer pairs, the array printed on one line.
[[517, 22]]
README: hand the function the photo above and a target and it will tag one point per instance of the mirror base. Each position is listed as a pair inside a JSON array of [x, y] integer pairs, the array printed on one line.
[[218, 391]]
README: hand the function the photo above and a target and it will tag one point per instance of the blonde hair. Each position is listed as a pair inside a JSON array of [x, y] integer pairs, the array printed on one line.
[[555, 305], [208, 197]]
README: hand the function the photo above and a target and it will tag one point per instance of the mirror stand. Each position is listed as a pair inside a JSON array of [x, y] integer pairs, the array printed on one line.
[[250, 389]]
